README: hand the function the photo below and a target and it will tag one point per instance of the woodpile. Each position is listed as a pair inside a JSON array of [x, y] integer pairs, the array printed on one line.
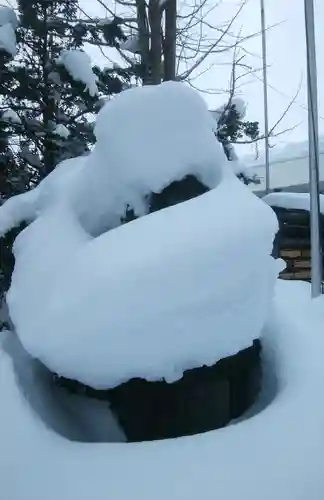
[[292, 243]]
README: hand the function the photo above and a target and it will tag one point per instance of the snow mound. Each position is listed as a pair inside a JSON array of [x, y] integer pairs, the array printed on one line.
[[170, 291], [276, 454], [146, 139], [78, 64], [16, 210], [56, 188]]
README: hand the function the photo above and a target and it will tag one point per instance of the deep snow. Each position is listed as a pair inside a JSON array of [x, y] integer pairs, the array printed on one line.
[[276, 454], [131, 302], [170, 291], [10, 116]]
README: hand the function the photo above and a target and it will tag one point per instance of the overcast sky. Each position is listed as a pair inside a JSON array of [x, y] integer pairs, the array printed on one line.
[[286, 60]]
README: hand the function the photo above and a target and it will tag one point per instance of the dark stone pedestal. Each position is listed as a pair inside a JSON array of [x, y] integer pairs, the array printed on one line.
[[205, 398]]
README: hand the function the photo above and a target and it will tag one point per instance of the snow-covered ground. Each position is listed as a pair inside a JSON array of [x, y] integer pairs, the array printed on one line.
[[102, 302], [277, 453]]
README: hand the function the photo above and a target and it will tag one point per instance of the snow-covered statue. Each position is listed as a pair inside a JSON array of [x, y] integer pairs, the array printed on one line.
[[185, 284]]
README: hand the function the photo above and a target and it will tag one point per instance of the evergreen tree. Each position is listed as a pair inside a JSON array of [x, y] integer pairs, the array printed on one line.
[[232, 128], [44, 94], [46, 111]]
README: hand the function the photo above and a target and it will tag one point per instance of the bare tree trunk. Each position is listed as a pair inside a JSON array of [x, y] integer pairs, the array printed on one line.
[[170, 40], [144, 39], [49, 103], [156, 42]]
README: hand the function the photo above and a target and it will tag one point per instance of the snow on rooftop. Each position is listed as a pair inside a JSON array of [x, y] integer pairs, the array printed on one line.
[[167, 292], [298, 201], [276, 454], [289, 167], [78, 64], [287, 152]]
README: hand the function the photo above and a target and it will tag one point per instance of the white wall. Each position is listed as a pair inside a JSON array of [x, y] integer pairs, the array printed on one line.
[[286, 173]]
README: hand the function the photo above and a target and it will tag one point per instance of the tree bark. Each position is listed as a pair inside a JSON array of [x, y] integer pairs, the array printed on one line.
[[156, 42], [144, 39], [170, 40], [48, 101]]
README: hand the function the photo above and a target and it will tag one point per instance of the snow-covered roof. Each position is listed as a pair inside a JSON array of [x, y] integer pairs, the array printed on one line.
[[165, 293], [298, 201], [289, 168]]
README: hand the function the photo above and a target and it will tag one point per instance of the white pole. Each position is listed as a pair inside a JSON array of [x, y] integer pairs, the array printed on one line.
[[316, 252], [265, 98]]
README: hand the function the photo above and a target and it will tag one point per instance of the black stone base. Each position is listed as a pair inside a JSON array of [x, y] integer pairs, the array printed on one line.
[[204, 399]]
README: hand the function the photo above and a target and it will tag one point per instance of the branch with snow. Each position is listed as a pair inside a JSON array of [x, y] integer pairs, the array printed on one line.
[[62, 131], [8, 39], [78, 65], [8, 25], [10, 116], [131, 44], [8, 16]]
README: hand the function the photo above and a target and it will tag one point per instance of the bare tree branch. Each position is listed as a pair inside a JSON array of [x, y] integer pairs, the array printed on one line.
[[199, 61]]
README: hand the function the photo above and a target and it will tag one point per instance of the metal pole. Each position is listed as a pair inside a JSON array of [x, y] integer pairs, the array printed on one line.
[[265, 98], [316, 251]]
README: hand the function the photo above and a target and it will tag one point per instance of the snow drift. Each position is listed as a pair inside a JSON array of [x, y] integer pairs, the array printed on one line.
[[170, 291], [275, 454]]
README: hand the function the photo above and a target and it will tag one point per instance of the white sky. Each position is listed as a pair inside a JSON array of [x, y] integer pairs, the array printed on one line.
[[286, 60]]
